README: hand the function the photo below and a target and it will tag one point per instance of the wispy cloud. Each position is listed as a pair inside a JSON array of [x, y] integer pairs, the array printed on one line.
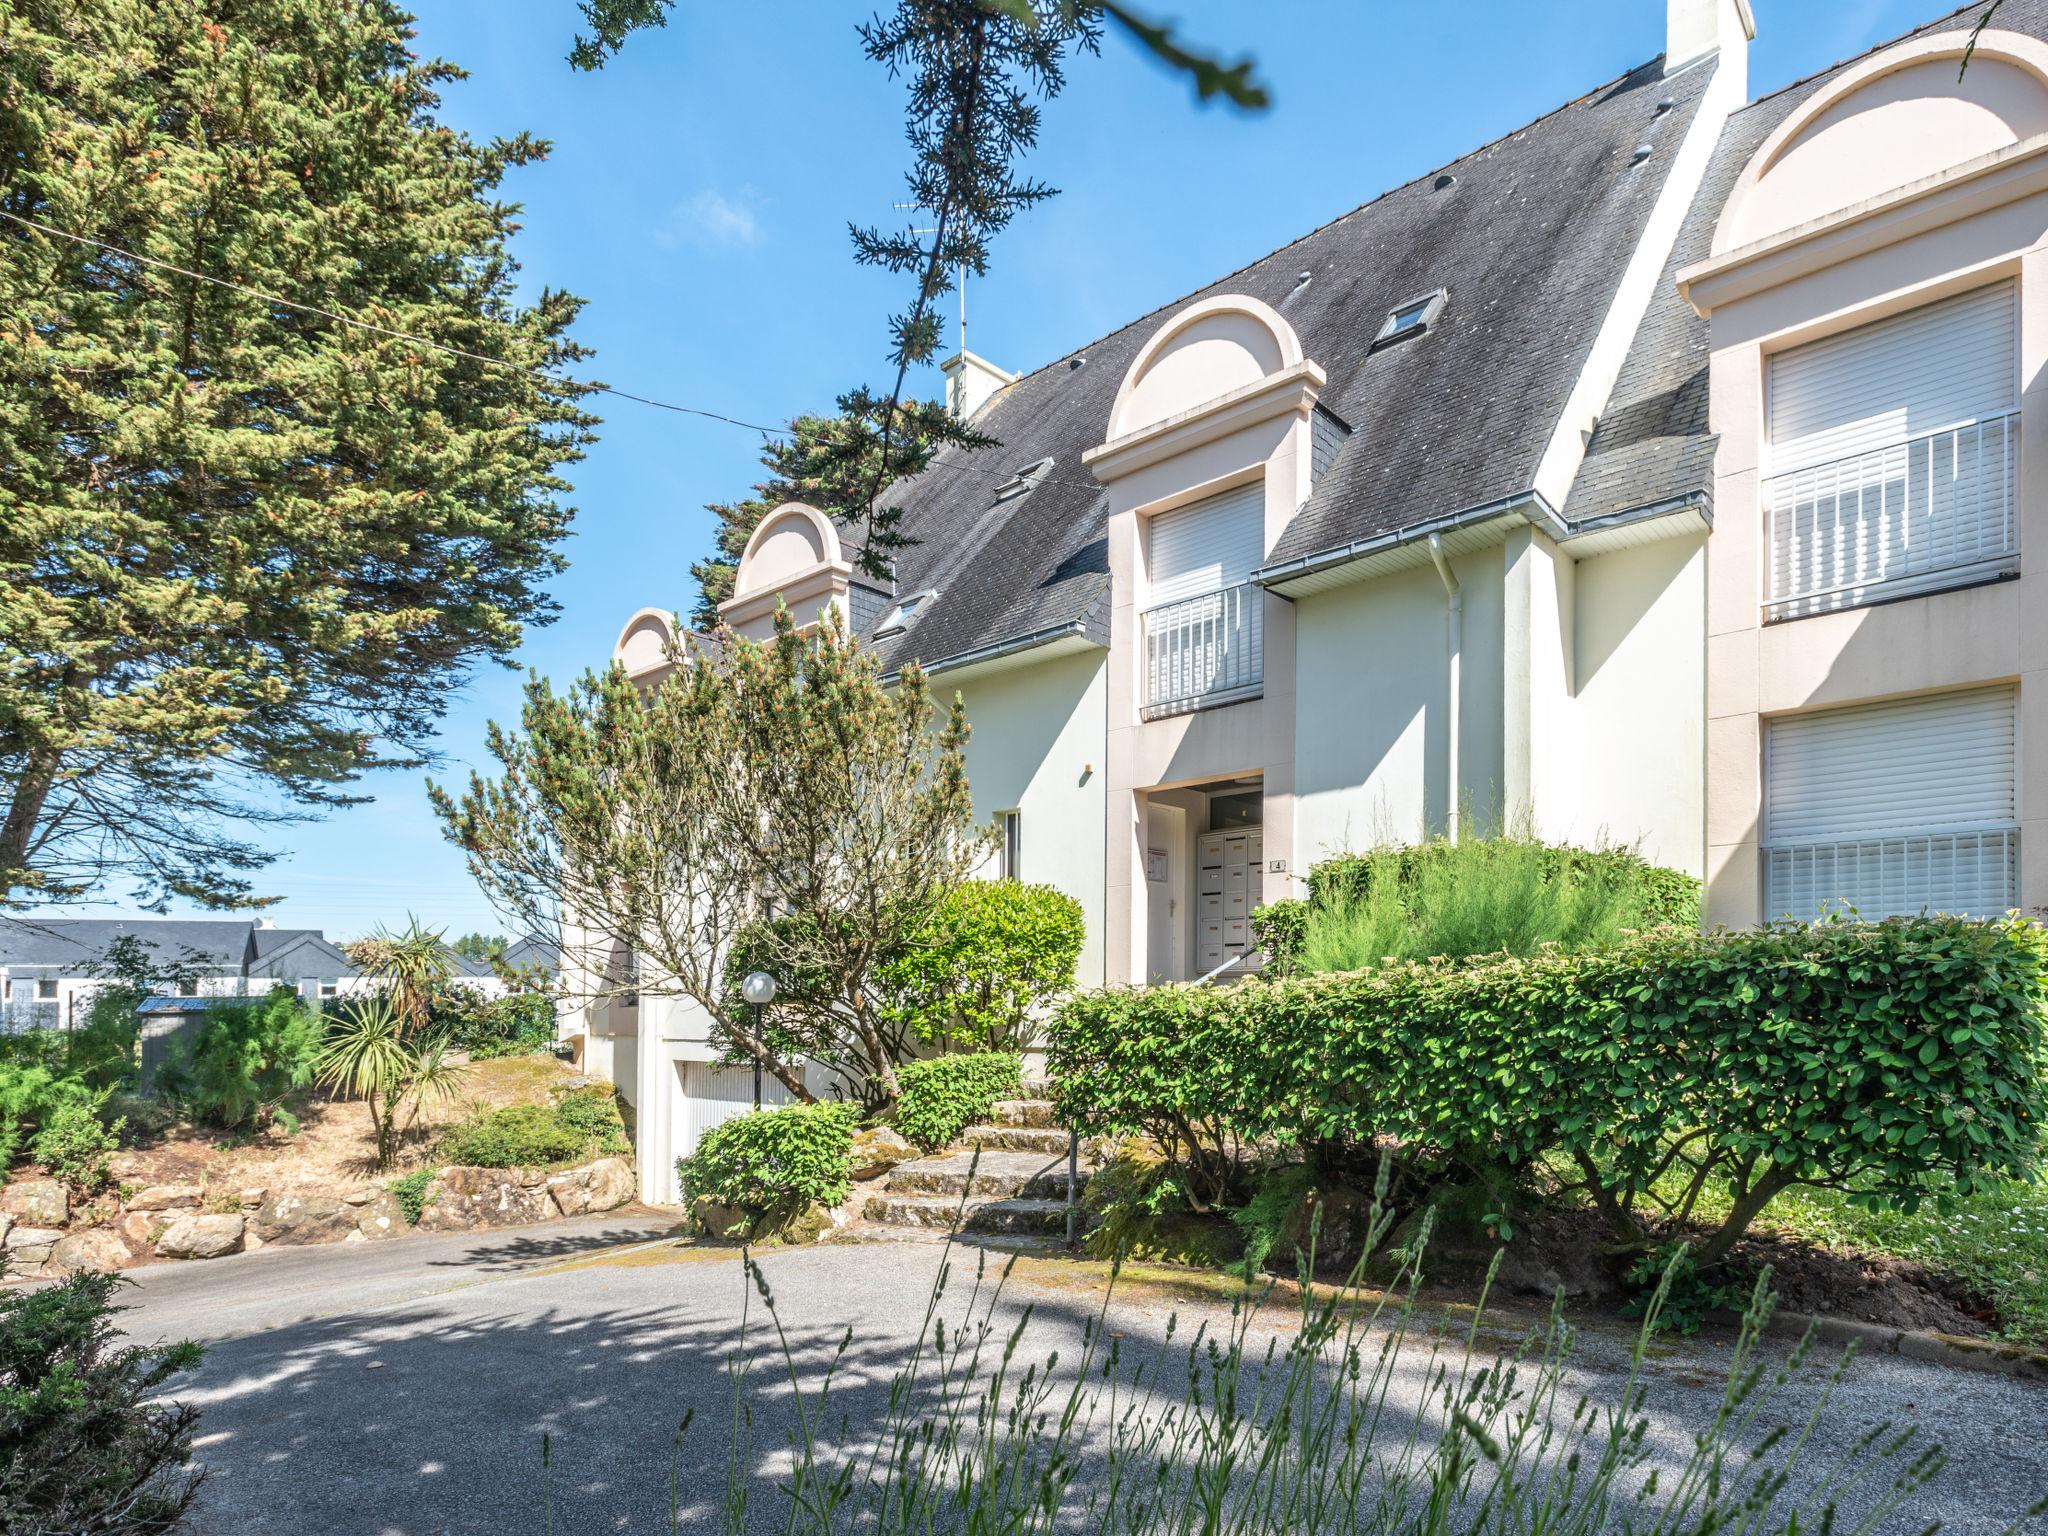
[[714, 219]]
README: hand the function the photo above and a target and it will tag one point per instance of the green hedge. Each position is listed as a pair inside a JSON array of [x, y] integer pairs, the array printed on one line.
[[774, 1160], [577, 1125], [943, 1096], [1888, 1054]]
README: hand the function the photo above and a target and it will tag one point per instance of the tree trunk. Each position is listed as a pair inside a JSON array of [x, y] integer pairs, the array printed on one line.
[[1745, 1210], [24, 812], [773, 1065]]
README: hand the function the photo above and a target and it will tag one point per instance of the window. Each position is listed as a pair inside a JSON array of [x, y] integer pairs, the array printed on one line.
[[46, 989], [1410, 319], [629, 978], [898, 618], [1204, 629], [1900, 807], [329, 988], [1023, 480], [1010, 856], [1893, 457], [189, 987]]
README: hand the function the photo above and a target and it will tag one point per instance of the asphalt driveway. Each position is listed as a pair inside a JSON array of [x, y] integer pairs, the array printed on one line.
[[405, 1387]]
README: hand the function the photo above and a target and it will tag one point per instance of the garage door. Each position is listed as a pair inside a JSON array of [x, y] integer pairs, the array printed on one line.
[[1906, 806], [712, 1094]]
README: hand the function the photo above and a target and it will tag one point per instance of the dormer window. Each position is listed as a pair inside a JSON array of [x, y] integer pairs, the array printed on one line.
[[898, 618], [1410, 319]]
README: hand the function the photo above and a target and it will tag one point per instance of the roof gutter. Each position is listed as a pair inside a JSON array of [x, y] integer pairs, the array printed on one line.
[[1528, 504], [1073, 628]]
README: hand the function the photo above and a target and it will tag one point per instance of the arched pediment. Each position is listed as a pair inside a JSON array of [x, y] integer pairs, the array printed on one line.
[[1204, 352], [646, 641], [786, 543], [1895, 119]]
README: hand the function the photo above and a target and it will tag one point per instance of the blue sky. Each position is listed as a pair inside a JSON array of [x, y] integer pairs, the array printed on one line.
[[698, 197]]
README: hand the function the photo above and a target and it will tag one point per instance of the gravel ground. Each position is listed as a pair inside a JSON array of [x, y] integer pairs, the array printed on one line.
[[405, 1387]]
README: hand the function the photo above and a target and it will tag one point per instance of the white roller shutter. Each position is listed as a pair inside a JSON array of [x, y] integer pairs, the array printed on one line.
[[1898, 807], [1951, 362], [1893, 463], [1204, 548]]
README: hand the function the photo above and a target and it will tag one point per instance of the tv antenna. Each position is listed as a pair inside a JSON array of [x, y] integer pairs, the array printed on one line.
[[960, 280]]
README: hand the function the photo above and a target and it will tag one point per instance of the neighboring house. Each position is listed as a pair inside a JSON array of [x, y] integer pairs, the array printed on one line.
[[51, 966], [1651, 474]]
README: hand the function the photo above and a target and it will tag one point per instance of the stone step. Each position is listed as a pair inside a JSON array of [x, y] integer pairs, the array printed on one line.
[[988, 1175], [1014, 1217], [1015, 1138], [1032, 1114]]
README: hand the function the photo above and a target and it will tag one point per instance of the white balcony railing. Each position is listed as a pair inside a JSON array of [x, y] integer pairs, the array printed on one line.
[[1204, 650], [1937, 510], [1971, 873]]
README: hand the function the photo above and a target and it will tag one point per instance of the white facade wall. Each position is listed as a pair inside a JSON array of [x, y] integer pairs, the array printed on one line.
[[1038, 747], [1372, 743]]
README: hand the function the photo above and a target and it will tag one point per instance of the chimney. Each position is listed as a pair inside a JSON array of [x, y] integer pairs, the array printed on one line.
[[1696, 28], [266, 922], [971, 382]]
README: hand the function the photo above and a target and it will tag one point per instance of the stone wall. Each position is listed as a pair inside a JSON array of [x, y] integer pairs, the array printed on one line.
[[44, 1232]]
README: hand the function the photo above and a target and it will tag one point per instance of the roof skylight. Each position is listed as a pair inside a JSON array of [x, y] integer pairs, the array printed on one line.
[[898, 618], [1410, 319]]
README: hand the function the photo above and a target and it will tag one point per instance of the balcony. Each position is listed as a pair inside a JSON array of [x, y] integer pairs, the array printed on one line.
[[1203, 651], [1933, 511]]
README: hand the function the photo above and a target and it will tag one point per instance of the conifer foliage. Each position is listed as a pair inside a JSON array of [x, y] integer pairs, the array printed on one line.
[[245, 546]]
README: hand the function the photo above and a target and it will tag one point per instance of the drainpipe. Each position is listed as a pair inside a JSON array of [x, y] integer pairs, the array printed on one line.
[[1456, 601]]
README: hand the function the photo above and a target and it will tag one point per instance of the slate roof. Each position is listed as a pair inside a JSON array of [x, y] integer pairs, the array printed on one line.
[[71, 942], [1652, 444], [1529, 238]]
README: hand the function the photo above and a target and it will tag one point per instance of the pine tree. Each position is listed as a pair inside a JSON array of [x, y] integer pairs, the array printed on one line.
[[245, 550]]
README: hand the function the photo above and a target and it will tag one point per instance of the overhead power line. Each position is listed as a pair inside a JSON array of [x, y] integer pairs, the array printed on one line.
[[340, 318]]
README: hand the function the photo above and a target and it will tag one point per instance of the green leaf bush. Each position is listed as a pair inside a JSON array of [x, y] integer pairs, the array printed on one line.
[[944, 1095], [77, 1148], [411, 1193], [517, 1136], [1886, 1058], [774, 1161], [593, 1112], [517, 1024], [246, 1061], [984, 967]]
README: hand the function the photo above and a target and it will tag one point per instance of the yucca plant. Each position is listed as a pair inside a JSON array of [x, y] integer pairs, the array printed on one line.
[[412, 965], [371, 1054]]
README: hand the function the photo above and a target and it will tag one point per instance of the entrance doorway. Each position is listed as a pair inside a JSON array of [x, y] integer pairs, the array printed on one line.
[[1204, 863]]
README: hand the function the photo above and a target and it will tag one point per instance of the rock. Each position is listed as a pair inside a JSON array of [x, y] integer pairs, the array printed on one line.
[[36, 1202], [96, 1248], [166, 1197], [140, 1230], [876, 1151], [604, 1185], [251, 1198], [360, 1194], [460, 1199], [725, 1223], [6, 1221], [302, 1219], [804, 1224], [28, 1247], [200, 1237], [381, 1218]]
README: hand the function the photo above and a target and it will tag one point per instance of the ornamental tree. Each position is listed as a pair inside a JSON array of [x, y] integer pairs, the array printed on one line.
[[769, 796], [246, 546]]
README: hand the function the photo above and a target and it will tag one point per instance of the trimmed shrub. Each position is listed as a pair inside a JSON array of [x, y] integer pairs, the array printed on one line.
[[1878, 1056], [987, 963], [773, 1162], [85, 1444], [517, 1136], [943, 1096], [246, 1061], [77, 1148]]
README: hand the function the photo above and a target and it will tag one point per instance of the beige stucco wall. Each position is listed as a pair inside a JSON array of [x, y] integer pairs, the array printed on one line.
[[1953, 230], [1036, 746]]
